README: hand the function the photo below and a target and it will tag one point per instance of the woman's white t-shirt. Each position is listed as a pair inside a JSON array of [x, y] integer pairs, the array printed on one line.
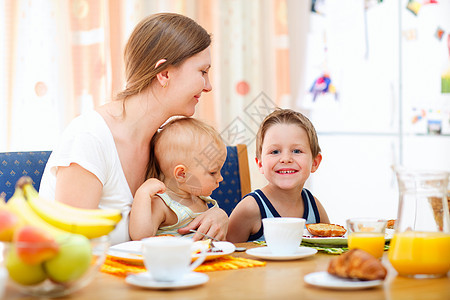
[[88, 142]]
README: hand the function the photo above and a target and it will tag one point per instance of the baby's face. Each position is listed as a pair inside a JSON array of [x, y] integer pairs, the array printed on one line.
[[204, 169]]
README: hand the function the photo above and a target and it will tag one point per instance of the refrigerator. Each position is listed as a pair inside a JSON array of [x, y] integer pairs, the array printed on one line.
[[378, 97]]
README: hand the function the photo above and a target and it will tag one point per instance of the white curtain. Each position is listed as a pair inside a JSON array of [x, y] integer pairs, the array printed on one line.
[[59, 58]]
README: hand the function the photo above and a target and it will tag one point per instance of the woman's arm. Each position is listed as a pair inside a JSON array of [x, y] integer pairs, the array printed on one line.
[[147, 210], [213, 222], [77, 187]]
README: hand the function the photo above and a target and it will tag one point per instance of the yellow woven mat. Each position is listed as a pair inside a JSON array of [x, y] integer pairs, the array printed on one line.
[[122, 268]]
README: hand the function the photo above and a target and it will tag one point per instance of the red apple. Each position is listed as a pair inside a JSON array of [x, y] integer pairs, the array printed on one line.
[[9, 222], [34, 245]]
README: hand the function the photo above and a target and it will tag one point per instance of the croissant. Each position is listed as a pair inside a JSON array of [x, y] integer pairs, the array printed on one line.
[[357, 264]]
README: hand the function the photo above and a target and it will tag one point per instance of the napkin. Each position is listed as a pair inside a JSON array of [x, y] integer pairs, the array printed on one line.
[[123, 268]]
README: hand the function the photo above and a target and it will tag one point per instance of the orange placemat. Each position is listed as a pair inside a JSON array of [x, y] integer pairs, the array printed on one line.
[[122, 268]]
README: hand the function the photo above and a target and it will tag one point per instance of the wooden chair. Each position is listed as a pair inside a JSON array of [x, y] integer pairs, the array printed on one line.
[[14, 165], [235, 173], [236, 178]]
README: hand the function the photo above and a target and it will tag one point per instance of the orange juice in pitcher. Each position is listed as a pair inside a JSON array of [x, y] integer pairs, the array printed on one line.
[[426, 253], [420, 247]]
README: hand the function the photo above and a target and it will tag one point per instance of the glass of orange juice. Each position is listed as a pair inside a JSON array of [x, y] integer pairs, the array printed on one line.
[[367, 234], [420, 247]]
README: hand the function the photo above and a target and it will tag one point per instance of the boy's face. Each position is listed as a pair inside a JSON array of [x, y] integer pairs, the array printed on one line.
[[286, 158], [203, 173]]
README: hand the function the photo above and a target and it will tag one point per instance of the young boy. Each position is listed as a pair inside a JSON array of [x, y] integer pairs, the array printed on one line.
[[287, 152], [184, 169]]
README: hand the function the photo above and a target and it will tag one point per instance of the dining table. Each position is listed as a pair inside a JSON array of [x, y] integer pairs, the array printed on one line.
[[277, 279]]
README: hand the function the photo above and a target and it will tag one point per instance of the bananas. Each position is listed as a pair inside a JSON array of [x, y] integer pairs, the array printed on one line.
[[18, 205], [33, 198], [91, 223]]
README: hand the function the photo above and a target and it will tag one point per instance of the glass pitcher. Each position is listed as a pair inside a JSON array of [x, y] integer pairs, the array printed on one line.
[[420, 246]]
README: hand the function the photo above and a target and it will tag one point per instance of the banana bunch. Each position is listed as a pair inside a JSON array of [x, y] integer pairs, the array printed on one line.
[[56, 217], [19, 206]]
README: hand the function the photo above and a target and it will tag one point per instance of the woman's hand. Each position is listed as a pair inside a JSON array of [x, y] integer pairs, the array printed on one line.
[[213, 222]]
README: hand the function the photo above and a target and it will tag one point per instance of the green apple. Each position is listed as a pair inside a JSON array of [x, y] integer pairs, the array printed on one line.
[[73, 259], [22, 272]]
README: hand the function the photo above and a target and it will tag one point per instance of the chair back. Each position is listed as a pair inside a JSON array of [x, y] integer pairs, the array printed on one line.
[[236, 178], [14, 165], [235, 173]]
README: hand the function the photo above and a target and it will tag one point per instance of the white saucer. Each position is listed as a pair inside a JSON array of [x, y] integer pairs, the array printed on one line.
[[145, 280], [326, 280], [264, 252]]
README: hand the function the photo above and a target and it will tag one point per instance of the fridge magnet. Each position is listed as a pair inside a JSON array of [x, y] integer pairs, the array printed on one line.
[[317, 6], [430, 2], [323, 85], [434, 126], [410, 34], [418, 115], [445, 77], [413, 6], [439, 33], [445, 82]]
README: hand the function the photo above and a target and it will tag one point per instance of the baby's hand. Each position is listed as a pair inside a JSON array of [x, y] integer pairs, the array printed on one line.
[[153, 186]]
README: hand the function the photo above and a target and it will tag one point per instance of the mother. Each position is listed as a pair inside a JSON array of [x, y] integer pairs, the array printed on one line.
[[102, 158]]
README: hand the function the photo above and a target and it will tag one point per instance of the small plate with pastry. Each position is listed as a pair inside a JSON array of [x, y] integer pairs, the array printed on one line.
[[330, 235], [323, 234], [355, 269]]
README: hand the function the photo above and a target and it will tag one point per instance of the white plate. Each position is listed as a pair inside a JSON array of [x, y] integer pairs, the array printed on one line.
[[145, 280], [226, 247], [340, 241], [132, 251], [264, 252], [326, 280]]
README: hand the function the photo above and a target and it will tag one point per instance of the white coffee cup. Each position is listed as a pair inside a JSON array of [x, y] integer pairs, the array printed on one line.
[[283, 235], [169, 258]]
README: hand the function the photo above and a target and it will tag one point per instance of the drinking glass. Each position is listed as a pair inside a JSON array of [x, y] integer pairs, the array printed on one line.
[[367, 234]]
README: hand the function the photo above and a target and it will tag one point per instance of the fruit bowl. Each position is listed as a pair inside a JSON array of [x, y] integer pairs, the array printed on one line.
[[37, 269]]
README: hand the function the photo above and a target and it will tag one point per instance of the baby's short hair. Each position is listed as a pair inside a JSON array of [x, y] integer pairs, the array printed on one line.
[[182, 140]]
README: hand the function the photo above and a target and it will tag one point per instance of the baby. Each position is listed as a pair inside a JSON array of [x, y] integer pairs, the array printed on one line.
[[184, 169]]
